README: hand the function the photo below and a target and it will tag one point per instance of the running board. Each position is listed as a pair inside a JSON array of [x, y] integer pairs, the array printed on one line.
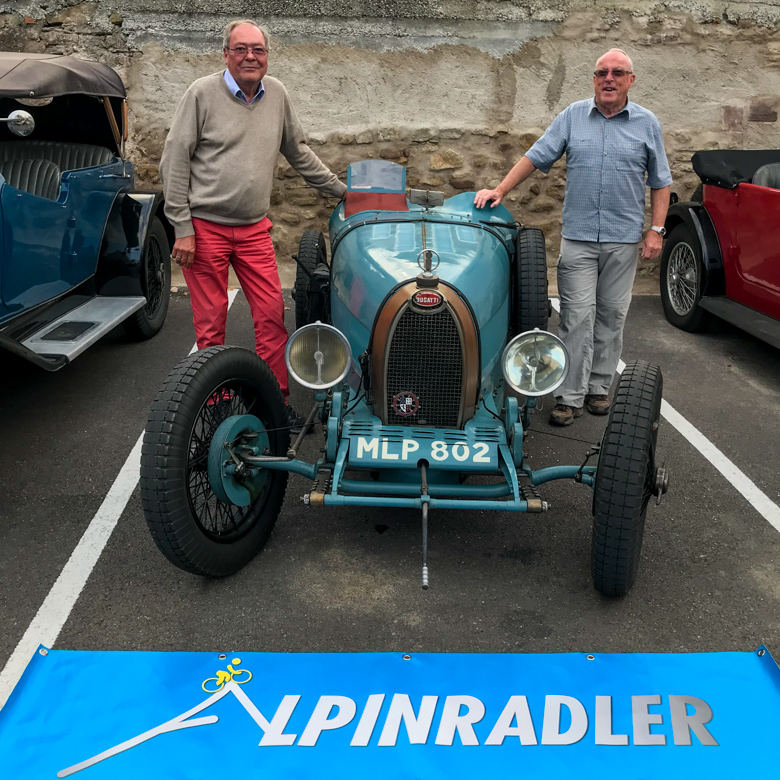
[[754, 322], [80, 328]]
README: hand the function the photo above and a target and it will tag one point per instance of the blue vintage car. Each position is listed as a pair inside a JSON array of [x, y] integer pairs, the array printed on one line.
[[81, 250], [425, 346]]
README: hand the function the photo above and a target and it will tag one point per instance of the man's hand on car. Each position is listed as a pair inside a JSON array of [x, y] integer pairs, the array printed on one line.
[[183, 251], [484, 196]]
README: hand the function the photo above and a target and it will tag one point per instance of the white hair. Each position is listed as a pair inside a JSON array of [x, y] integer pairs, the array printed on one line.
[[237, 23]]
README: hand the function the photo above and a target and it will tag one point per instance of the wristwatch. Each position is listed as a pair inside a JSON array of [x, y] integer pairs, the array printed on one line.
[[660, 230]]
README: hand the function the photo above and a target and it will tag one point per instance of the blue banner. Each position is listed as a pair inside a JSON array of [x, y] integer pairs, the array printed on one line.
[[99, 715]]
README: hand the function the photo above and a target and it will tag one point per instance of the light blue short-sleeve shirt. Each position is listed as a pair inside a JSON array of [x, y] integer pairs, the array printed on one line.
[[606, 164]]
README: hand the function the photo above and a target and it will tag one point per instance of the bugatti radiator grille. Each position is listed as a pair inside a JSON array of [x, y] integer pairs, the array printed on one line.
[[425, 360]]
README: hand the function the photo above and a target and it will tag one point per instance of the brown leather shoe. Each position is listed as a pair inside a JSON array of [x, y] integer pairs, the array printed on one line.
[[597, 404], [564, 415]]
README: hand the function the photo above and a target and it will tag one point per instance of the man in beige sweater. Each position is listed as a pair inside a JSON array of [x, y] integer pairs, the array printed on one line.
[[217, 172]]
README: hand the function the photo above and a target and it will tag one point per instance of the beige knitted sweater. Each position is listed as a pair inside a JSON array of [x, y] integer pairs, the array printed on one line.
[[219, 156]]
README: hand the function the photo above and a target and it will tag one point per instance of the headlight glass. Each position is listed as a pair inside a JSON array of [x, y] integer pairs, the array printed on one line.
[[535, 363], [318, 356]]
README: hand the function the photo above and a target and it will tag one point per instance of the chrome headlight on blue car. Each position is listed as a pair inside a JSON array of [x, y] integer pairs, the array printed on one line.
[[318, 356], [535, 363]]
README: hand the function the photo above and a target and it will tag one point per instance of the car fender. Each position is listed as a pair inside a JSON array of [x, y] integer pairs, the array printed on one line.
[[694, 215], [124, 237]]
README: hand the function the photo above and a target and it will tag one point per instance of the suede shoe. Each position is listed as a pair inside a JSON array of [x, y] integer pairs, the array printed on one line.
[[562, 414], [597, 404]]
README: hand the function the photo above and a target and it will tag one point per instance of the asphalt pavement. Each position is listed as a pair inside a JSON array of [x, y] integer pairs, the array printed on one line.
[[348, 579]]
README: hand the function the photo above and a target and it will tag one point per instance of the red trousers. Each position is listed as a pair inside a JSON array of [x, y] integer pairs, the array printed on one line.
[[248, 248]]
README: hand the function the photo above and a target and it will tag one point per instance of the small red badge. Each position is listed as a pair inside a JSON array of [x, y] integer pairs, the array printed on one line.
[[405, 403], [428, 299]]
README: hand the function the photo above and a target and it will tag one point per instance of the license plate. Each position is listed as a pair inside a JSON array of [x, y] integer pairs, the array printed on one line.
[[383, 452]]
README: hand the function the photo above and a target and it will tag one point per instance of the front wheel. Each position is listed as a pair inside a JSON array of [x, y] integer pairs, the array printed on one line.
[[156, 282], [625, 478], [682, 281], [193, 526]]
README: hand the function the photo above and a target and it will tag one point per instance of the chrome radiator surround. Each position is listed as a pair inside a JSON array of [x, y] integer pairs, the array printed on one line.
[[424, 361]]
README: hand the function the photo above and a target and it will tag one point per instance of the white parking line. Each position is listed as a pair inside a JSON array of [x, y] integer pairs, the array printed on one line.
[[57, 606], [735, 476]]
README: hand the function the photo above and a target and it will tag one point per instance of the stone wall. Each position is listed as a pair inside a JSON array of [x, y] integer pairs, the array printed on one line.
[[456, 91]]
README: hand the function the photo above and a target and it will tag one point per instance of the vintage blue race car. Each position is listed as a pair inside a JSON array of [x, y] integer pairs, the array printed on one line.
[[81, 250], [424, 343]]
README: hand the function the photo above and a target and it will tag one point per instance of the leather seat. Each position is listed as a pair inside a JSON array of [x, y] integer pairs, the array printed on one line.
[[38, 177], [67, 157], [768, 176]]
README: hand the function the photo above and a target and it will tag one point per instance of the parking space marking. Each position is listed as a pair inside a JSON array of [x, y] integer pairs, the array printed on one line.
[[735, 476], [56, 608]]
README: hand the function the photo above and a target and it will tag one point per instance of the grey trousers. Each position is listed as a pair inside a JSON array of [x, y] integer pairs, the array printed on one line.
[[594, 284]]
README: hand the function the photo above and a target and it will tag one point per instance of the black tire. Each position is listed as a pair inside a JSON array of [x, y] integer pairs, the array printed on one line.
[[682, 281], [531, 304], [310, 302], [191, 527], [156, 282], [625, 478]]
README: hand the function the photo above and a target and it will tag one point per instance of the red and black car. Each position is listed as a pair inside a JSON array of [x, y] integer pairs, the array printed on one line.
[[722, 251]]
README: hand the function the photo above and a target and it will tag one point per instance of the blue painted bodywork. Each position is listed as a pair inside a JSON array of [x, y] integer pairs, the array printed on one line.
[[374, 251], [50, 247]]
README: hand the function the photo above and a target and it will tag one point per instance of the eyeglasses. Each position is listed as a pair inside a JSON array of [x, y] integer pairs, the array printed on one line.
[[242, 51], [618, 73]]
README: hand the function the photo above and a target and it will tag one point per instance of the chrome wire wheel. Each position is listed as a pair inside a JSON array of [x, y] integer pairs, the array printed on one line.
[[155, 276], [681, 279]]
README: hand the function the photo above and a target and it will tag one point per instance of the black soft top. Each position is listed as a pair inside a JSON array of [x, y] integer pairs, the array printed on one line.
[[730, 167], [50, 75]]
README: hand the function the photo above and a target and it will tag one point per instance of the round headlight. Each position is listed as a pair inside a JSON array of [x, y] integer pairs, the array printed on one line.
[[318, 356], [535, 362]]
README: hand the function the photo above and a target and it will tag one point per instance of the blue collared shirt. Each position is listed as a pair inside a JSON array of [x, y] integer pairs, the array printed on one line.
[[606, 163], [236, 90]]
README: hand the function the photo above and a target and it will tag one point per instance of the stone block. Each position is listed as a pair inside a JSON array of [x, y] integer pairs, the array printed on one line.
[[289, 217], [365, 137], [424, 135], [462, 182], [451, 133], [431, 180], [763, 109], [488, 131], [116, 19], [395, 154], [345, 138], [542, 204], [527, 140], [307, 197], [389, 134], [446, 159], [80, 15], [732, 117]]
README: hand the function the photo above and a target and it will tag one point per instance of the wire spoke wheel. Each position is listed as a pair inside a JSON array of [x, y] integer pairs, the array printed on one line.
[[681, 279], [219, 521], [155, 276], [156, 282], [192, 527]]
